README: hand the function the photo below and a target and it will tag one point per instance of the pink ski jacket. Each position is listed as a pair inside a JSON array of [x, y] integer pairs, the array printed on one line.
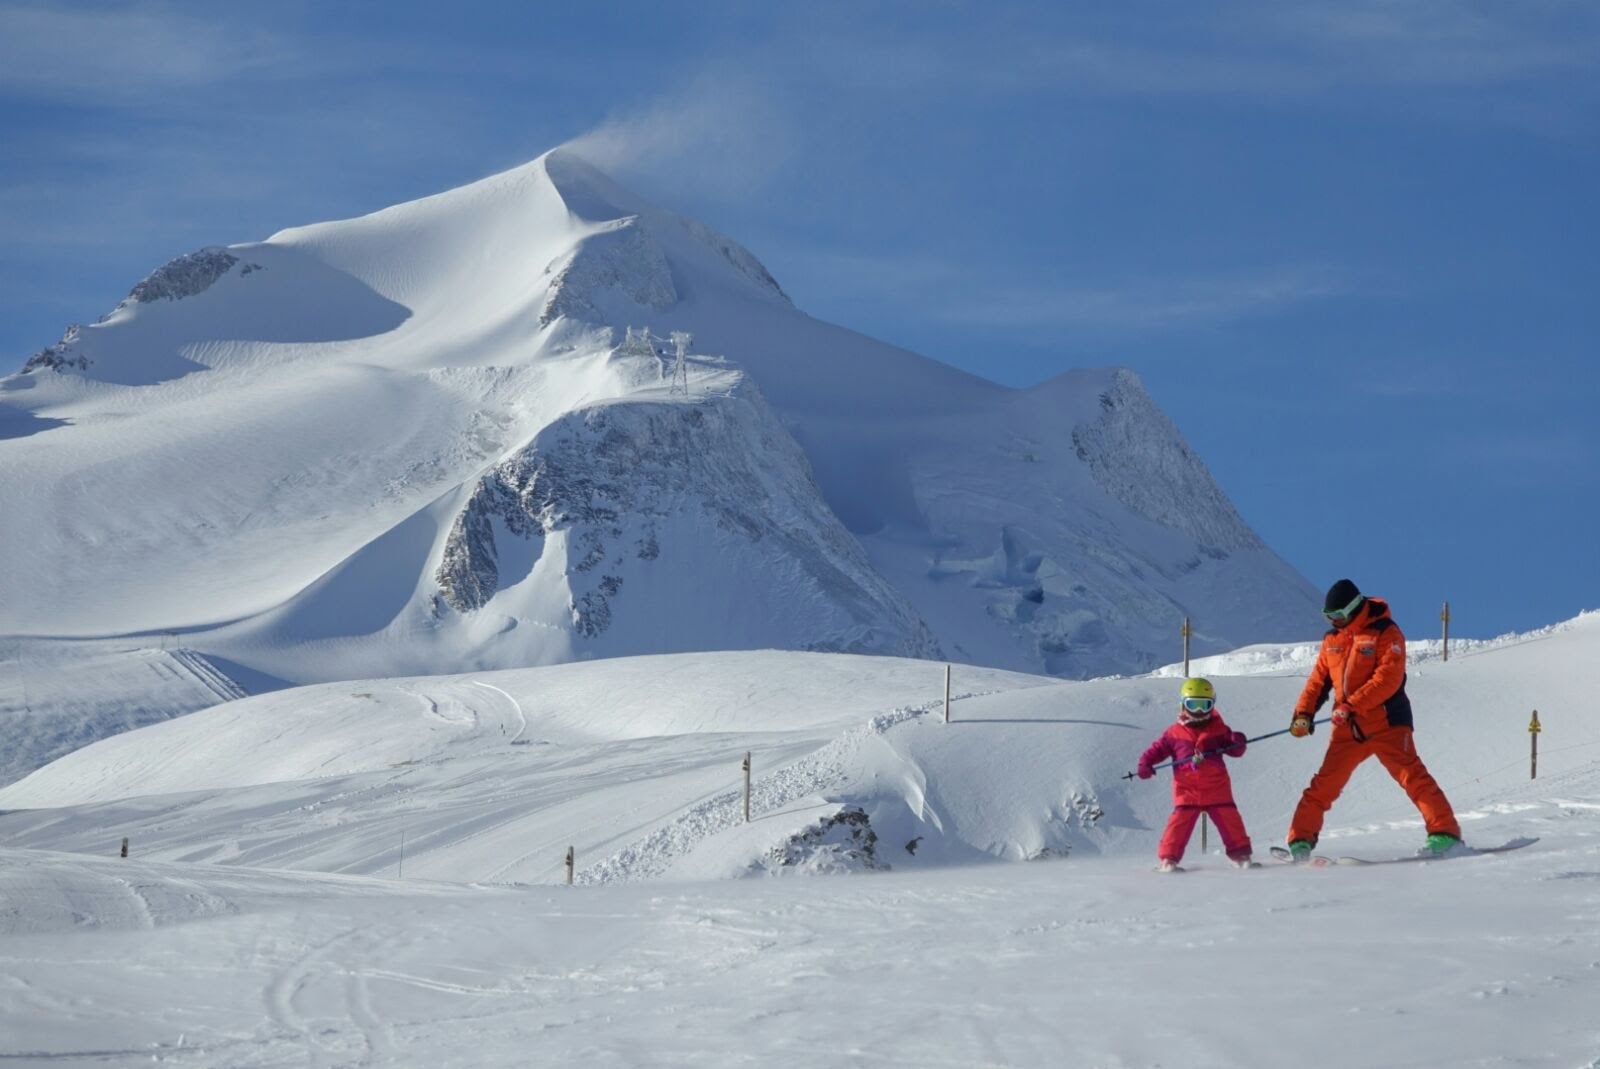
[[1207, 782]]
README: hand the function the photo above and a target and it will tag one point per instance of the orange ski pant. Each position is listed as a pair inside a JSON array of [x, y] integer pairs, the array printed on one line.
[[1395, 750]]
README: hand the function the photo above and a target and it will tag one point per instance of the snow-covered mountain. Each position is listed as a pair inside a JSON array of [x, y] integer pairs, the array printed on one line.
[[425, 441]]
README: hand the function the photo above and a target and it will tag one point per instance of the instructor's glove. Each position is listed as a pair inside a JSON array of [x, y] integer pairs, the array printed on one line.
[[1301, 725], [1342, 714]]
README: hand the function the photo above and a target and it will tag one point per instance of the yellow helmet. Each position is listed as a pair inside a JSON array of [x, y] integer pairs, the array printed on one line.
[[1196, 700]]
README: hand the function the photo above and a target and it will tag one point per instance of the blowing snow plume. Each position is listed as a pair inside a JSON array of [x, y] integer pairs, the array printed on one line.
[[723, 134]]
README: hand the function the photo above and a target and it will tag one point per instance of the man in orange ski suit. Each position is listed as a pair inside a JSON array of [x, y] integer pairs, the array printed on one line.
[[1362, 663]]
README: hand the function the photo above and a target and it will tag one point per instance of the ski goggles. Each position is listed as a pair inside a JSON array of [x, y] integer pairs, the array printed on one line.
[[1340, 616], [1199, 705]]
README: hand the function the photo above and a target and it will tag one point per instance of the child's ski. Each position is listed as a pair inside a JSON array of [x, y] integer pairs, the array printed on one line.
[[1461, 851]]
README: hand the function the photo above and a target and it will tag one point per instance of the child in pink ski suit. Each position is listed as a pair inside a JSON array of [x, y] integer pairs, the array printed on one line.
[[1200, 783]]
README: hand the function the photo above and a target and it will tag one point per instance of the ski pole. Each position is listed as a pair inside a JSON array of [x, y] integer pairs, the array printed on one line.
[[1224, 749]]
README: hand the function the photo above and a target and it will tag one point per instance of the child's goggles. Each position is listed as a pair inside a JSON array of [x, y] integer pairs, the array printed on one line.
[[1198, 705]]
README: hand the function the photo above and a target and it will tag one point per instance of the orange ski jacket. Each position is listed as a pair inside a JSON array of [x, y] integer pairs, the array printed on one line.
[[1363, 665]]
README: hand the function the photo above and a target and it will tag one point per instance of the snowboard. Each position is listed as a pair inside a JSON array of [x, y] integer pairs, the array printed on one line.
[[1316, 861], [1469, 851]]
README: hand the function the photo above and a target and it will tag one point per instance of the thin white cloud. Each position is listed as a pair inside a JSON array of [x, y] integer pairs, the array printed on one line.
[[1145, 304], [1123, 69], [1410, 382], [1158, 304], [1270, 47], [1441, 42], [1521, 458], [148, 54], [123, 54]]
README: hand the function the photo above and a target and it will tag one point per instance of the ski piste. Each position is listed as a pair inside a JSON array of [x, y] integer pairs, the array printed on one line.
[[1280, 853]]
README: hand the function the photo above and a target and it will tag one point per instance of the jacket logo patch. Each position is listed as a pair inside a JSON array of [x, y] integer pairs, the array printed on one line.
[[1366, 651]]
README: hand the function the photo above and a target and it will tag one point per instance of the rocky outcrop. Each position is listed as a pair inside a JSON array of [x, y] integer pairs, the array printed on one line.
[[714, 489], [844, 842], [470, 572], [61, 356], [186, 276], [621, 264]]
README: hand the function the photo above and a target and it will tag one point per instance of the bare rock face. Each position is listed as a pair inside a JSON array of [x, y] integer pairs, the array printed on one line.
[[625, 484], [623, 264], [844, 842], [61, 356], [470, 571], [186, 276]]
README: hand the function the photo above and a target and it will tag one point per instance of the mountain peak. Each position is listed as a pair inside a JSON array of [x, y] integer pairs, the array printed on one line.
[[456, 277], [588, 192], [595, 198]]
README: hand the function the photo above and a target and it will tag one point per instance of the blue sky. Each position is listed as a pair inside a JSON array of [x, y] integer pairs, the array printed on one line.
[[1351, 246]]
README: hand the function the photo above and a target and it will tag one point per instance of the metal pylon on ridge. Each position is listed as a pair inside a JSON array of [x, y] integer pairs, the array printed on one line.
[[680, 366]]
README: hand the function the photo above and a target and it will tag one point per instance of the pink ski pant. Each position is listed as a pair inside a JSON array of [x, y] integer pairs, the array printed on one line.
[[1181, 825]]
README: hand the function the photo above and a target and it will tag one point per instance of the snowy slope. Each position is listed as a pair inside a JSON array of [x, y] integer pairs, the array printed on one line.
[[365, 956], [56, 699], [487, 772], [634, 762], [282, 448]]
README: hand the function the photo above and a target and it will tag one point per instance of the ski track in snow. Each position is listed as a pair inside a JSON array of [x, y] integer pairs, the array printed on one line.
[[961, 966], [522, 719]]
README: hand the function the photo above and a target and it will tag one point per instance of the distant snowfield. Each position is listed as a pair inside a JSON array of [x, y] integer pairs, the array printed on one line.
[[370, 873]]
